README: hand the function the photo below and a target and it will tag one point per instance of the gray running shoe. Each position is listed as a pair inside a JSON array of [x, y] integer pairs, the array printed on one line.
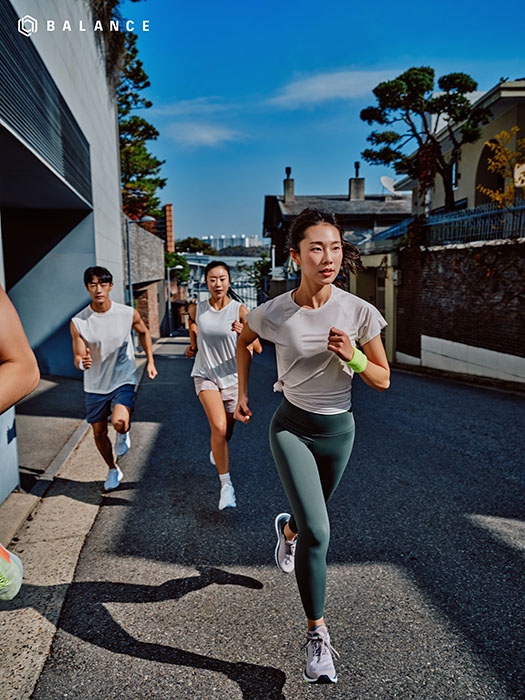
[[284, 549], [320, 657]]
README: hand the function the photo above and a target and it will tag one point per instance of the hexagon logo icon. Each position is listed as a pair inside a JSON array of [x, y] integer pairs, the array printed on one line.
[[27, 25]]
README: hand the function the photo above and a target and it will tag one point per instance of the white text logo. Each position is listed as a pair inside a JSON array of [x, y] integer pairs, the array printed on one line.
[[28, 25]]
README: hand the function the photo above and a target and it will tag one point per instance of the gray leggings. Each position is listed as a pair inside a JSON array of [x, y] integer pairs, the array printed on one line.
[[311, 452]]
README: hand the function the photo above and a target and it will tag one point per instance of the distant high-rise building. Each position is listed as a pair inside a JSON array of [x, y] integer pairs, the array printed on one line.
[[221, 242]]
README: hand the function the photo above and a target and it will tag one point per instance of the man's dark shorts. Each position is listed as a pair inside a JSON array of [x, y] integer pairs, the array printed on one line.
[[100, 406]]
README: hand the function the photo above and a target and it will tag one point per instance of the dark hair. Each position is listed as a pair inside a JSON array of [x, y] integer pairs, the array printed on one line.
[[312, 217], [102, 273], [219, 263]]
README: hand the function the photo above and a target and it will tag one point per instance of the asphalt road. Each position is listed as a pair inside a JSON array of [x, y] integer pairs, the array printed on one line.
[[174, 599]]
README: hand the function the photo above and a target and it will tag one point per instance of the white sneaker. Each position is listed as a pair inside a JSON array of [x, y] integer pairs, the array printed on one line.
[[114, 478], [284, 549], [11, 574], [319, 657], [227, 499], [212, 459], [122, 444]]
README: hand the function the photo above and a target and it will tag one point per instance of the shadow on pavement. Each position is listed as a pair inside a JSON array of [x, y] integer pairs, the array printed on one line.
[[89, 620], [55, 397], [428, 473]]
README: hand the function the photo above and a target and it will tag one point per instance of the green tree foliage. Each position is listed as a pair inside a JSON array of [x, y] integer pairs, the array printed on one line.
[[258, 272], [111, 44], [140, 169], [194, 245], [174, 260], [413, 114]]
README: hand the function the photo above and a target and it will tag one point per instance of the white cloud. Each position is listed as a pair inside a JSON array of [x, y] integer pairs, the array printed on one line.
[[202, 134], [339, 85], [197, 106]]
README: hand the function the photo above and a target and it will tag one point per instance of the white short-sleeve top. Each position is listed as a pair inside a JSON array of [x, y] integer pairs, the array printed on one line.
[[310, 376], [216, 343]]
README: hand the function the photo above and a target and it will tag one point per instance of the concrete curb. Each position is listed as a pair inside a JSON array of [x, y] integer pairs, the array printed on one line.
[[18, 506]]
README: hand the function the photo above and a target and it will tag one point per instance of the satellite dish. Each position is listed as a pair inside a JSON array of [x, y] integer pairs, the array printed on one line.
[[388, 183]]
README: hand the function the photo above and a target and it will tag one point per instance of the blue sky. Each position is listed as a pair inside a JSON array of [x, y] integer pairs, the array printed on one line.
[[241, 90]]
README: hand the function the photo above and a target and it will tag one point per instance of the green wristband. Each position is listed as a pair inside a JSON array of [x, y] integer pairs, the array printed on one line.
[[358, 362]]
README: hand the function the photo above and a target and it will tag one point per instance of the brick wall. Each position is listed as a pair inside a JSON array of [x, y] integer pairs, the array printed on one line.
[[147, 255], [473, 295], [150, 306], [409, 302]]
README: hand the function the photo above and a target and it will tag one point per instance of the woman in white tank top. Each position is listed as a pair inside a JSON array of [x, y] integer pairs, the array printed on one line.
[[215, 325]]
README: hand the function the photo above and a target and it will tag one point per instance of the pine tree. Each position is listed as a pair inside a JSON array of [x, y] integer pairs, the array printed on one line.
[[140, 169], [419, 114]]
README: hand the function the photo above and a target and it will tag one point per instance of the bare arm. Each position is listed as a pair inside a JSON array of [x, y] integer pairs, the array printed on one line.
[[19, 373], [192, 347], [145, 340], [244, 361], [377, 372], [80, 349], [256, 345]]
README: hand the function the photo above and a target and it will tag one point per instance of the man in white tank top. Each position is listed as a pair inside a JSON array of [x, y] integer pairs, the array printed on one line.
[[103, 350]]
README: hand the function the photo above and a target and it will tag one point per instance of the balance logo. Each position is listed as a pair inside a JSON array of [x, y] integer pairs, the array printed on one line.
[[27, 25]]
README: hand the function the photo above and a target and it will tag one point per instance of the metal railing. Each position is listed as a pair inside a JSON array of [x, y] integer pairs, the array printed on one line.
[[244, 287], [484, 223], [487, 222]]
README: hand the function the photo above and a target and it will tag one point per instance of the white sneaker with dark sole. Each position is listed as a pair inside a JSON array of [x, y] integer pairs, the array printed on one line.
[[284, 549], [114, 478], [319, 657]]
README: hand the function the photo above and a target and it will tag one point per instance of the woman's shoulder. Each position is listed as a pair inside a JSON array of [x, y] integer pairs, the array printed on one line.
[[345, 298], [280, 301], [273, 306]]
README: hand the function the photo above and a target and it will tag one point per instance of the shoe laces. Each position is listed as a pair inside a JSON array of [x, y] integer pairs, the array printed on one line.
[[290, 547], [320, 644], [288, 544]]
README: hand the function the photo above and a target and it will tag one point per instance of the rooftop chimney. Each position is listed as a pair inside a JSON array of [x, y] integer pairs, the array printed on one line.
[[356, 185], [289, 192]]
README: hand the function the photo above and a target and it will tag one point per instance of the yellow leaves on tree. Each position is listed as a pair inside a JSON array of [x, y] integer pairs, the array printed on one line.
[[508, 152]]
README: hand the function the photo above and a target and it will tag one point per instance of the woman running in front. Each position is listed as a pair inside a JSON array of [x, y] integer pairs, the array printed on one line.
[[215, 325], [316, 329]]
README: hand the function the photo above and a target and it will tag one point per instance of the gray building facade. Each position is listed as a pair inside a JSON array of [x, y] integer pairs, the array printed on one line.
[[59, 179]]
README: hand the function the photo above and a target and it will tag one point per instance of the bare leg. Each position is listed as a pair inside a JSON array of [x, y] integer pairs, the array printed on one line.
[[103, 443], [315, 623], [289, 533], [221, 426], [120, 418]]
